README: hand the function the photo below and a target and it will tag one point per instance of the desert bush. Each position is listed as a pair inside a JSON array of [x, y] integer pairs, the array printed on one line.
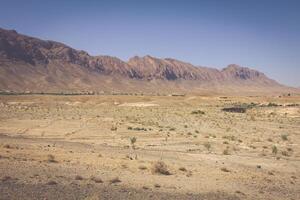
[[182, 169], [142, 167], [224, 169], [289, 149], [78, 177], [272, 104], [115, 180], [51, 183], [160, 167], [51, 158], [235, 109], [132, 142], [7, 146], [285, 153], [284, 137], [274, 150], [96, 179], [226, 152], [113, 128], [229, 137], [197, 112], [6, 178], [207, 145]]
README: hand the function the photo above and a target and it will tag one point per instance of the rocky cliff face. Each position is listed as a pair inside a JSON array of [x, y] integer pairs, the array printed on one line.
[[56, 65]]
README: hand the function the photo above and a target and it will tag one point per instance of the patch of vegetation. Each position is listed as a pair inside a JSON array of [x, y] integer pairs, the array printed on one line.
[[160, 167], [226, 152], [78, 177], [235, 109], [285, 153], [142, 167], [6, 178], [272, 104], [229, 137], [284, 137], [51, 183], [113, 128], [224, 169], [115, 180], [240, 108], [198, 112], [207, 145], [51, 158], [182, 169], [132, 142], [96, 179], [274, 150], [138, 129]]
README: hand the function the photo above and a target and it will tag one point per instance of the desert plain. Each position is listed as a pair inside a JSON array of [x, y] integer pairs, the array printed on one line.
[[149, 147]]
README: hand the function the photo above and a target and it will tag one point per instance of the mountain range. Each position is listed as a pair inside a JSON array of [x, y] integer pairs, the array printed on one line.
[[32, 64]]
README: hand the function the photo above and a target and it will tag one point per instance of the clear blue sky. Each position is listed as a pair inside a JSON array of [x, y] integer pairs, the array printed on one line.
[[261, 34]]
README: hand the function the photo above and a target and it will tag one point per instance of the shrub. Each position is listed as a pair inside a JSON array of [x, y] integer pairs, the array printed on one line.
[[160, 167], [113, 128], [133, 141], [235, 109], [226, 152], [142, 167], [284, 137], [51, 158], [207, 145], [96, 179], [197, 112], [285, 153], [115, 180], [51, 183], [224, 169], [182, 169], [274, 150], [78, 177]]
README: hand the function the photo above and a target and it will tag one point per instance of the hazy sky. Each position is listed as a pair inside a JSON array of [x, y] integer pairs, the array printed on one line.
[[261, 34]]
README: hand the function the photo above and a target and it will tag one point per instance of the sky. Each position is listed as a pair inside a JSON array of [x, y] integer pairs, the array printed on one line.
[[260, 34]]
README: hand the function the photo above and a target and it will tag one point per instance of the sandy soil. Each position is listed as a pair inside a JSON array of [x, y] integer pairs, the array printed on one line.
[[80, 147]]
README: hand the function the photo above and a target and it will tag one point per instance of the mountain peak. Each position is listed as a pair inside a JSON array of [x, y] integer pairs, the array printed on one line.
[[44, 65]]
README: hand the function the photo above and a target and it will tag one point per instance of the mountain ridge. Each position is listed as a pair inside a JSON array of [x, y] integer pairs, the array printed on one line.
[[27, 61]]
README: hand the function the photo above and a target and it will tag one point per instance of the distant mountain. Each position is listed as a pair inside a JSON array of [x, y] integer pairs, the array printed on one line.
[[31, 64]]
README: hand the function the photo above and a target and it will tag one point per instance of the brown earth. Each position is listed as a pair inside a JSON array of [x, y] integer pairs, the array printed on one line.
[[79, 147]]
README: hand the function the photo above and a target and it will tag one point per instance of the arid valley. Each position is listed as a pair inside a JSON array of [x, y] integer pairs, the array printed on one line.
[[149, 147]]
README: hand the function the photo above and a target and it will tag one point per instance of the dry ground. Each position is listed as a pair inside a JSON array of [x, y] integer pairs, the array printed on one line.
[[82, 147]]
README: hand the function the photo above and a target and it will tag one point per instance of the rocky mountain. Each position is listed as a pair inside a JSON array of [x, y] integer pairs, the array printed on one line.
[[28, 63]]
